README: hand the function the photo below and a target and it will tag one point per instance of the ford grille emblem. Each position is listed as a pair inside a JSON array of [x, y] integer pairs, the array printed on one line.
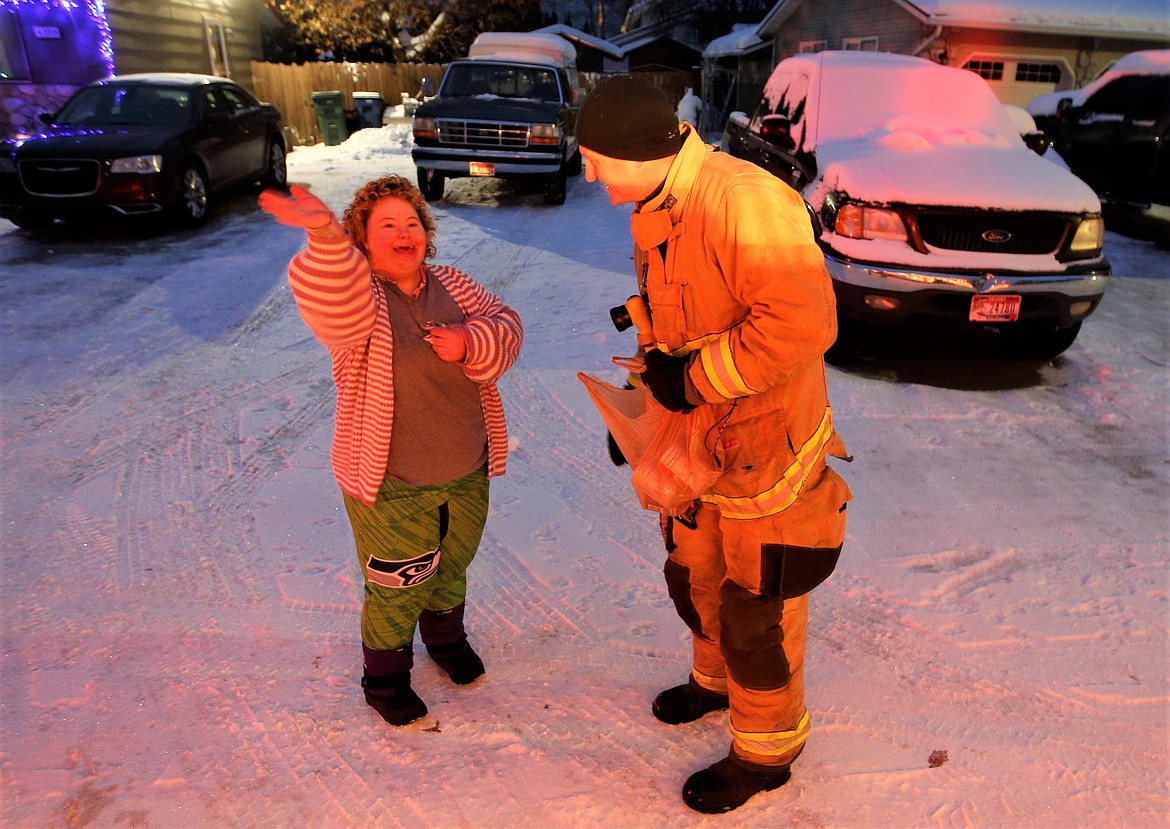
[[996, 237]]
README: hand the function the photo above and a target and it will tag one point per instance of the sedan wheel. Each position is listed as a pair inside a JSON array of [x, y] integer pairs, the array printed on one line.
[[194, 203], [277, 175]]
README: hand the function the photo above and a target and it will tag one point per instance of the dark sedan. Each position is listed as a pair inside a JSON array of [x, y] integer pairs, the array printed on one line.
[[139, 145]]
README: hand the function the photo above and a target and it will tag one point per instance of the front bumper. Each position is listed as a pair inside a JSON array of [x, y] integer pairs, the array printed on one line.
[[127, 195], [456, 162], [881, 294]]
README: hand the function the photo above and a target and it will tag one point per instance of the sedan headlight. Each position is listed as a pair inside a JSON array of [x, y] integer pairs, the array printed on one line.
[[546, 134], [859, 222], [1089, 237], [143, 164]]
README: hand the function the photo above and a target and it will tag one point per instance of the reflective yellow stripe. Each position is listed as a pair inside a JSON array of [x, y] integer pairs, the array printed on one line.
[[719, 366], [689, 346], [785, 491], [718, 684], [773, 743]]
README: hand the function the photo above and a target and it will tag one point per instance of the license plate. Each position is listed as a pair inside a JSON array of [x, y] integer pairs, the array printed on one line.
[[997, 308], [482, 168]]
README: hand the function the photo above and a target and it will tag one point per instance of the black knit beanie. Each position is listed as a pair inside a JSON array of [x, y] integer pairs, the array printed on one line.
[[628, 118]]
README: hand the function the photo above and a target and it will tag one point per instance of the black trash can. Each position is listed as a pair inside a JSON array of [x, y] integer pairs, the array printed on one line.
[[330, 108], [369, 109]]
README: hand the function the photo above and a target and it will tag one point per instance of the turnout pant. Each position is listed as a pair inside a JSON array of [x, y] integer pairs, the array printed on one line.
[[741, 587]]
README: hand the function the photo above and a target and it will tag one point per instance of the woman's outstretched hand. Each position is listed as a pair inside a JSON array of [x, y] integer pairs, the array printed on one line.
[[296, 208]]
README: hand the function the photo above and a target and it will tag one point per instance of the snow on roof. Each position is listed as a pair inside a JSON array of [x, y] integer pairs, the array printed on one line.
[[1113, 18], [742, 38], [1145, 18], [576, 35]]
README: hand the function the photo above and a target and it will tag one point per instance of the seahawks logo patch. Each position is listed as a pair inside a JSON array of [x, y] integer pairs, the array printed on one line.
[[407, 573]]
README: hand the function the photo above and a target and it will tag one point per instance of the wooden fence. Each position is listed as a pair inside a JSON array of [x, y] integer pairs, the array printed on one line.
[[291, 86]]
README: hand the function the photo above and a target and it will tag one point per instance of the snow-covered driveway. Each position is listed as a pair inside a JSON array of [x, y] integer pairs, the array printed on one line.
[[180, 597]]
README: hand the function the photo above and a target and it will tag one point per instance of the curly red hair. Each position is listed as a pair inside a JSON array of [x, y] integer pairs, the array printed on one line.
[[386, 187]]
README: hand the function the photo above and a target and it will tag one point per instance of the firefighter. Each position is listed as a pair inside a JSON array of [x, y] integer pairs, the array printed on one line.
[[742, 312]]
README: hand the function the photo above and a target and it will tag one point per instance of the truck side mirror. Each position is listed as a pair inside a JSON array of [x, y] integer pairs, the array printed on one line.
[[817, 227], [777, 130], [1038, 142]]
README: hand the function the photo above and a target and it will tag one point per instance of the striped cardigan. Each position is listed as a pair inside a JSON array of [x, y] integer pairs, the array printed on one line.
[[342, 303]]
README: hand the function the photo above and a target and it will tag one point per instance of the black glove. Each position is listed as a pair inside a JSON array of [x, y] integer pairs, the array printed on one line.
[[665, 376], [615, 452]]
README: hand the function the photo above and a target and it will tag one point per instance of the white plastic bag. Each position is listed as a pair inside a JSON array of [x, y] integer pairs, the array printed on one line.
[[671, 466]]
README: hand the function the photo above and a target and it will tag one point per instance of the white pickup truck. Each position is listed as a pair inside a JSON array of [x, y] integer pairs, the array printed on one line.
[[934, 211]]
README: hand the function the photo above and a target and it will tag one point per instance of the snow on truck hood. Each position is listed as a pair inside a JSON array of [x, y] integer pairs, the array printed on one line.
[[905, 167], [889, 128]]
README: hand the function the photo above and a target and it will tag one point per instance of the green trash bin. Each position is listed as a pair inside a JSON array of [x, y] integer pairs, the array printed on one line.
[[330, 108]]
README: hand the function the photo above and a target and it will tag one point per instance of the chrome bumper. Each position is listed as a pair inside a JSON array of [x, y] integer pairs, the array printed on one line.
[[458, 161], [1090, 281]]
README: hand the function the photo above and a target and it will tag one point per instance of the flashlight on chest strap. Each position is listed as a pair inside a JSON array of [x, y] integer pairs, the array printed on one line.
[[634, 313]]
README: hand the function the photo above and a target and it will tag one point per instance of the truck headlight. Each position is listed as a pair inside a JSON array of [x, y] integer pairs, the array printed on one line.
[[1089, 237], [425, 127], [856, 221], [142, 164], [545, 134]]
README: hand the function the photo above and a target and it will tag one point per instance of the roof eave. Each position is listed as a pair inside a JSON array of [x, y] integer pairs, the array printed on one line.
[[1120, 32]]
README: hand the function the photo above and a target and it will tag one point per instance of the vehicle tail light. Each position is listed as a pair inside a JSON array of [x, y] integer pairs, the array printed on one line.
[[425, 128], [856, 221], [545, 134]]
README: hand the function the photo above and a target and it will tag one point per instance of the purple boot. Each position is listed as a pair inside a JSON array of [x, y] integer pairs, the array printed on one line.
[[386, 682], [446, 641]]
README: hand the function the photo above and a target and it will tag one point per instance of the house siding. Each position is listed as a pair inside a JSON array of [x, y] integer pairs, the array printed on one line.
[[835, 20], [150, 36]]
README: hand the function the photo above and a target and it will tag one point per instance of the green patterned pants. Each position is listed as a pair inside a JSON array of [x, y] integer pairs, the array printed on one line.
[[407, 569]]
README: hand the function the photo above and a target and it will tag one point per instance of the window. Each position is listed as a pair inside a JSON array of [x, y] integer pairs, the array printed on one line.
[[1153, 105], [812, 46], [1038, 72], [1114, 100], [216, 46], [860, 44], [991, 70]]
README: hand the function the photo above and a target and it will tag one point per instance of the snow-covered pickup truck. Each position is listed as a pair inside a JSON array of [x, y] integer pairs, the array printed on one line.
[[508, 110], [932, 208]]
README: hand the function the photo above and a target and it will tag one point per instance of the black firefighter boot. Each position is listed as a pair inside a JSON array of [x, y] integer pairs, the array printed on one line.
[[386, 682], [446, 641], [729, 784], [686, 703]]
